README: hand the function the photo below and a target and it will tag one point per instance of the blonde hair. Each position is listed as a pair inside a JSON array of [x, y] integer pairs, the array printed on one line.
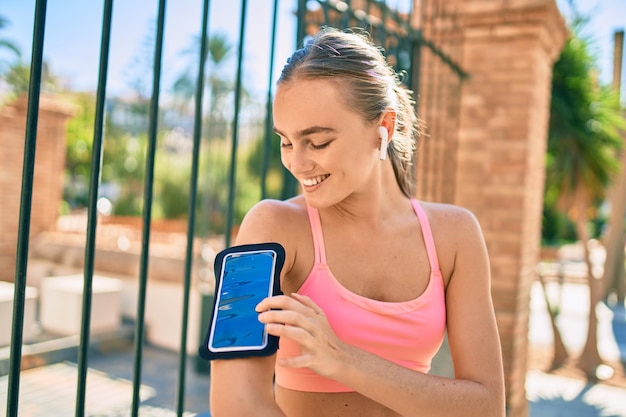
[[369, 85]]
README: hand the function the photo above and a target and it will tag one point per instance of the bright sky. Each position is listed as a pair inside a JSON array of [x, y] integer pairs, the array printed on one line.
[[73, 33], [73, 30], [607, 17]]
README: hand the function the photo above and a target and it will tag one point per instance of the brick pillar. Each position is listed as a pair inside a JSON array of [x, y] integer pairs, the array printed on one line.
[[508, 48], [48, 175]]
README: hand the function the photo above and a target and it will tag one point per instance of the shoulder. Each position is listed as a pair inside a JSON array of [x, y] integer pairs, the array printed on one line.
[[266, 221], [457, 234], [451, 218], [283, 222]]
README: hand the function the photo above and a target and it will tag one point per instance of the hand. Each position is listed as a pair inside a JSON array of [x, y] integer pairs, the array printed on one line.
[[298, 318]]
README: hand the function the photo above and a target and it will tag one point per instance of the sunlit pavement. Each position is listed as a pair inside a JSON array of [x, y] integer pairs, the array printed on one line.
[[558, 396]]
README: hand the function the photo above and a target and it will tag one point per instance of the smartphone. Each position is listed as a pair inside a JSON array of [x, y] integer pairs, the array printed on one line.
[[245, 275]]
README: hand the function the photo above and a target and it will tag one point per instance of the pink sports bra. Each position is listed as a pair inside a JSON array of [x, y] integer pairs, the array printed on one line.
[[407, 333]]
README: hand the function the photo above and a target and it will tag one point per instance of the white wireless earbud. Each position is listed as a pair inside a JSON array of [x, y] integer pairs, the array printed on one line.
[[384, 137]]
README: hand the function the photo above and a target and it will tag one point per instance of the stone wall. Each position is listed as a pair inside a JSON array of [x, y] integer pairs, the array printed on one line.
[[48, 175], [494, 162]]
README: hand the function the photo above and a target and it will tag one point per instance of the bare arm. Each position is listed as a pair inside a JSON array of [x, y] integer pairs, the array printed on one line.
[[244, 387], [478, 387]]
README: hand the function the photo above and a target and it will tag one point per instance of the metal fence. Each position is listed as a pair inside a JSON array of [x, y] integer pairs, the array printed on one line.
[[419, 39]]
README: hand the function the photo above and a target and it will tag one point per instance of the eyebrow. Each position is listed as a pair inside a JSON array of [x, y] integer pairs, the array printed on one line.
[[309, 131]]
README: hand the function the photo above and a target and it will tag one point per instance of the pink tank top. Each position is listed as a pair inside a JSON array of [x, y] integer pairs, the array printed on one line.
[[407, 333]]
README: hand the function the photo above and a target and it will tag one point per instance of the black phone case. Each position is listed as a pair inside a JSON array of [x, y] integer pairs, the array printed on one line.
[[272, 343]]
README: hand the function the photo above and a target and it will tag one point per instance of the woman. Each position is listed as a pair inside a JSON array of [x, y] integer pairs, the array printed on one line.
[[372, 277]]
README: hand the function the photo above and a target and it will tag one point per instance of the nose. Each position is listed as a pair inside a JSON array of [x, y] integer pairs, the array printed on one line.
[[297, 160]]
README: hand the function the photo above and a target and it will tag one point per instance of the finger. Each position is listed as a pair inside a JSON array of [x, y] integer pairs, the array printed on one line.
[[288, 317], [297, 334], [268, 303], [301, 361], [281, 302]]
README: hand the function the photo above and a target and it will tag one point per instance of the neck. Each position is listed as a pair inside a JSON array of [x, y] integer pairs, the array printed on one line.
[[370, 208]]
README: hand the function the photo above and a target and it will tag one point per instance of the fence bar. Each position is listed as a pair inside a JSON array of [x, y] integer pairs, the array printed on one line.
[[233, 156], [384, 12], [191, 221], [418, 36], [436, 129], [325, 8], [26, 202], [92, 211], [268, 106], [289, 181], [409, 80], [345, 15], [147, 209], [416, 62]]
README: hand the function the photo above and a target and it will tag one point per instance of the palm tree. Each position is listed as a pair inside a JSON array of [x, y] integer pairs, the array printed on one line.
[[12, 74], [219, 50], [583, 142], [7, 44], [614, 264]]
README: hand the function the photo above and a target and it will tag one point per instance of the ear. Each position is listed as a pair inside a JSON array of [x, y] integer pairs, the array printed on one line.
[[388, 121], [384, 142], [387, 125]]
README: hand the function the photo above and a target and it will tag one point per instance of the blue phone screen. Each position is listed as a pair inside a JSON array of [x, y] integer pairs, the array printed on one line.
[[247, 278]]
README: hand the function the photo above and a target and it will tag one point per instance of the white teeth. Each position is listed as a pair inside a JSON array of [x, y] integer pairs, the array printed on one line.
[[309, 182]]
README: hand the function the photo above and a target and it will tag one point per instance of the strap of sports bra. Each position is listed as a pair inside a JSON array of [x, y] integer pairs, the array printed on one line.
[[427, 233], [320, 250], [318, 236]]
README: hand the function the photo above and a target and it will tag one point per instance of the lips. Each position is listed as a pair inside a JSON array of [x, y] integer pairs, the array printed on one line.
[[310, 182]]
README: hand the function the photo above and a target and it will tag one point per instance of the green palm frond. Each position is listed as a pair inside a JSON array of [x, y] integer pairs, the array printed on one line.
[[585, 127], [5, 43]]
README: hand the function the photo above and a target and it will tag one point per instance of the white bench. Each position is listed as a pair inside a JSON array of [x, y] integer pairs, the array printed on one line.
[[7, 290], [62, 301]]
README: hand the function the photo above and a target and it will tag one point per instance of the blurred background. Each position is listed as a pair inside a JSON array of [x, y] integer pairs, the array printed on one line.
[[135, 135]]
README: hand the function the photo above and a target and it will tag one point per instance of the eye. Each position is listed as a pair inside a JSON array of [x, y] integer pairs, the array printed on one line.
[[320, 146], [284, 143]]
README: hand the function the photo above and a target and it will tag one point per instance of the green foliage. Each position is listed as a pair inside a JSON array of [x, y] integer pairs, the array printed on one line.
[[583, 139], [248, 191], [123, 159], [172, 178], [123, 165], [18, 76], [126, 142], [275, 168], [556, 228], [79, 143], [6, 44], [213, 188]]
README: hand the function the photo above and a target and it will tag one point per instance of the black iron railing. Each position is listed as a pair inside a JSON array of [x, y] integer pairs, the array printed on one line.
[[391, 28]]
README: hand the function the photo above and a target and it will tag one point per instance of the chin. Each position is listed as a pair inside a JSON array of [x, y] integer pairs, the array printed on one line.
[[321, 202]]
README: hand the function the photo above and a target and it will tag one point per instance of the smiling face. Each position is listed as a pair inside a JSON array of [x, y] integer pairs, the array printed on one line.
[[327, 146]]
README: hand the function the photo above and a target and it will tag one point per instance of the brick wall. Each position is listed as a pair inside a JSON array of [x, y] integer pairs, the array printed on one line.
[[508, 48], [48, 175]]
